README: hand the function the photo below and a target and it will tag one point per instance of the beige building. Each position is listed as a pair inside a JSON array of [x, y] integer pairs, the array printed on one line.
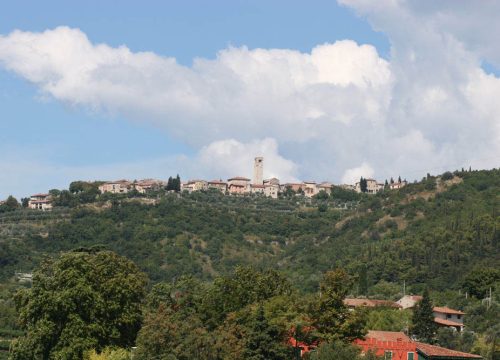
[[271, 191], [218, 185], [257, 189], [326, 187], [398, 185], [310, 188], [372, 186], [238, 185], [146, 185], [116, 187], [194, 185], [40, 202], [272, 181], [444, 316]]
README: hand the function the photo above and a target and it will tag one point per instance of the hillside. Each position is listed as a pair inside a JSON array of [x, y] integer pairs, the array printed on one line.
[[432, 232]]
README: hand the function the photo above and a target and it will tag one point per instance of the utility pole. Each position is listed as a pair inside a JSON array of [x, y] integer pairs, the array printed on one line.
[[404, 287]]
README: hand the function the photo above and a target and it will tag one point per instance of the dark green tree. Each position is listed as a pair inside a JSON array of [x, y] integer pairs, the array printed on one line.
[[11, 203], [332, 320], [363, 185], [84, 300], [479, 281], [264, 341], [423, 325]]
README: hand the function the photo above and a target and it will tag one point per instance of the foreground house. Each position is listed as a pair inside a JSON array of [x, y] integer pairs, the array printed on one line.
[[389, 344], [40, 202], [398, 346], [432, 352], [446, 317], [372, 186]]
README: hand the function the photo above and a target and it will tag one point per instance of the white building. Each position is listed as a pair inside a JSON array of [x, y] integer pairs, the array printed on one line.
[[116, 187], [372, 186], [258, 171], [40, 202]]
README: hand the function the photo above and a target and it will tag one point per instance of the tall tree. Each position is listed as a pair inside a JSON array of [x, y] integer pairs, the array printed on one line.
[[423, 325], [84, 300], [264, 341], [363, 185], [331, 317]]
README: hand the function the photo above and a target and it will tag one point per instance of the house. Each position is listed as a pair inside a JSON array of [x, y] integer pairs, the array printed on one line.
[[310, 188], [257, 189], [432, 352], [271, 190], [398, 346], [398, 185], [296, 187], [389, 344], [355, 303], [409, 301], [272, 181], [444, 316], [218, 185], [238, 185], [116, 187], [326, 187], [40, 202], [372, 186], [146, 185]]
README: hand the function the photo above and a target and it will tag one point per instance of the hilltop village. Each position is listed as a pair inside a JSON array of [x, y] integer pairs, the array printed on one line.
[[237, 185]]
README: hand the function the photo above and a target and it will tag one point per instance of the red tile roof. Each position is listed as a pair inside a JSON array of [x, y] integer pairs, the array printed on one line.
[[437, 352], [387, 336], [447, 322], [447, 310], [40, 195]]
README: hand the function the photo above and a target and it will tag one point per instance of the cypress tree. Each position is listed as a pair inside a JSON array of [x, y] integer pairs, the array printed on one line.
[[424, 327]]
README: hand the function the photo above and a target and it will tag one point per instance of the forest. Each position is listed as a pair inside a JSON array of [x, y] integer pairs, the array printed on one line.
[[440, 233]]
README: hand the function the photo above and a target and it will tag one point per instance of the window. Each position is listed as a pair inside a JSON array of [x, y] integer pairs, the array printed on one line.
[[388, 355], [448, 316], [411, 356], [459, 317]]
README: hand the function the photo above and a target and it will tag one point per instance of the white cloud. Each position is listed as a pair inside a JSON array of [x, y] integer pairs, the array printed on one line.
[[314, 115], [353, 175], [232, 158]]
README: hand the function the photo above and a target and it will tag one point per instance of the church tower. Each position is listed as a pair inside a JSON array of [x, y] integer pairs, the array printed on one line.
[[258, 171]]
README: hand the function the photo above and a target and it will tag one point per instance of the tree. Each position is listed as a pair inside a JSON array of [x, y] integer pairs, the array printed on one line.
[[423, 325], [479, 281], [25, 202], [264, 341], [363, 185], [87, 299], [331, 317]]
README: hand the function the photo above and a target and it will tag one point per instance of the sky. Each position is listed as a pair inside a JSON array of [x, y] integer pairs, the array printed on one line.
[[324, 90]]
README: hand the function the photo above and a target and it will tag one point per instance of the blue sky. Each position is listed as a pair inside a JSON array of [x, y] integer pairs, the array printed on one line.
[[39, 127]]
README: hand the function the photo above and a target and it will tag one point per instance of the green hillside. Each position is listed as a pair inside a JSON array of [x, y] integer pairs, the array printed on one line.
[[441, 233], [433, 232]]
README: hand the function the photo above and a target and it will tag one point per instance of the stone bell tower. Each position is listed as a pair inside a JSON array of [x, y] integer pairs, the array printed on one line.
[[258, 171]]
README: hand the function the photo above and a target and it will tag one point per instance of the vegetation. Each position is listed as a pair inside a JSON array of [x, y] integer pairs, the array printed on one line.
[[213, 260]]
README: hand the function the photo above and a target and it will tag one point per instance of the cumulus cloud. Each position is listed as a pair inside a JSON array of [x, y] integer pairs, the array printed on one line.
[[353, 175], [335, 113]]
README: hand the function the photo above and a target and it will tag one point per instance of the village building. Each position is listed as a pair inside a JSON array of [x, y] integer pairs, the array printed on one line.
[[271, 191], [409, 301], [116, 187], [398, 185], [143, 186], [238, 185], [40, 202], [446, 317], [326, 187], [257, 189], [310, 188], [218, 185], [272, 181], [372, 186]]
